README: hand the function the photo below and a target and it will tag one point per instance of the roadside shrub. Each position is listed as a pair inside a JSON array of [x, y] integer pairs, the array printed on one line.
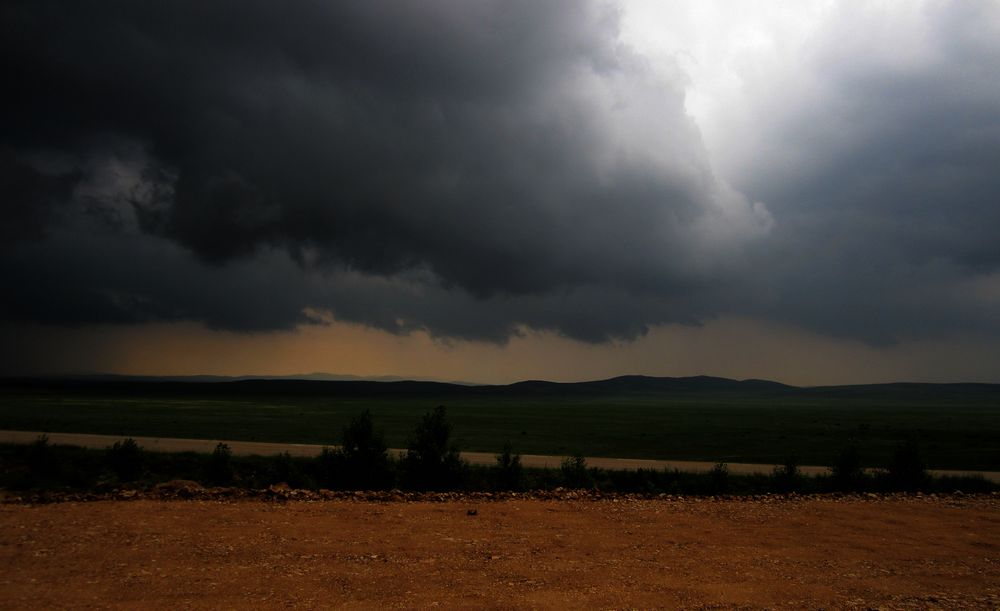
[[846, 474], [220, 466], [41, 459], [574, 472], [509, 473], [542, 479], [962, 483], [286, 469], [787, 477], [432, 461], [907, 470], [71, 467], [124, 459], [363, 456], [650, 480], [328, 467], [642, 481], [719, 478]]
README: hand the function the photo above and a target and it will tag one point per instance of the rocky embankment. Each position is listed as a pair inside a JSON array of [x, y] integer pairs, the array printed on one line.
[[187, 489]]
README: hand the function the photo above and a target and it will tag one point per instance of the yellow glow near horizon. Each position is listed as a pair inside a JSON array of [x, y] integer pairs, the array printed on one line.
[[729, 347]]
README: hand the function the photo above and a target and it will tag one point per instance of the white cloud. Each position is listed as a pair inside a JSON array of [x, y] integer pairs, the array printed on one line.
[[724, 48]]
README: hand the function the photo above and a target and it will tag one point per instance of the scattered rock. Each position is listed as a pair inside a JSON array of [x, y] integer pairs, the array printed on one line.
[[183, 488], [187, 489]]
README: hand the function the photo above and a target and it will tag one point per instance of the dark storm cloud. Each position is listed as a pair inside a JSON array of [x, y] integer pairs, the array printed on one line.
[[477, 168], [376, 135], [79, 278], [29, 197], [515, 157]]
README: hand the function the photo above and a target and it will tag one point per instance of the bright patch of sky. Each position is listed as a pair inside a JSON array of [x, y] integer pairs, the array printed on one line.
[[721, 47]]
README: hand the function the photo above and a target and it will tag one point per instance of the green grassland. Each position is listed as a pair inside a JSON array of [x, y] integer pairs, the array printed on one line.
[[956, 430]]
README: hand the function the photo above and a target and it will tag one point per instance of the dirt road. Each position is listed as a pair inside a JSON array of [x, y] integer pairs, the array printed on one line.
[[478, 458], [889, 554]]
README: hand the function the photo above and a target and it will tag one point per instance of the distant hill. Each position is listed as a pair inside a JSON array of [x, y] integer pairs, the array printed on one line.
[[646, 384], [321, 385]]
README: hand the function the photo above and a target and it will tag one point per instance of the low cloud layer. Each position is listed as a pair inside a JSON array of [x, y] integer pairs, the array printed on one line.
[[478, 169]]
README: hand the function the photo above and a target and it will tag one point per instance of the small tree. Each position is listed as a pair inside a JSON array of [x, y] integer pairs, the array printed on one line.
[[908, 471], [125, 460], [329, 467], [42, 463], [432, 461], [787, 477], [719, 478], [509, 474], [284, 468], [220, 466], [363, 456], [846, 472], [575, 473]]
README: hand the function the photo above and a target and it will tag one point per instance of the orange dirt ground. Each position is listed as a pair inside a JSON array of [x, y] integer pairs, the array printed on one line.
[[681, 553]]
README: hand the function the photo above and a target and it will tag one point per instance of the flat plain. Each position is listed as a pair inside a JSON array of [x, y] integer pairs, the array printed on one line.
[[957, 426]]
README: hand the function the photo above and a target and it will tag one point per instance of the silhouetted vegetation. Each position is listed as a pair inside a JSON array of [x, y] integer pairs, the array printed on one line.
[[510, 473], [720, 478], [73, 468], [575, 473], [220, 466], [41, 462], [328, 466], [360, 463], [908, 471], [289, 470], [364, 457], [125, 460], [787, 477], [846, 473], [432, 461]]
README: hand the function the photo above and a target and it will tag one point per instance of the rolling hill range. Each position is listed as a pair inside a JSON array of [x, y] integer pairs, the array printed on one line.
[[316, 385]]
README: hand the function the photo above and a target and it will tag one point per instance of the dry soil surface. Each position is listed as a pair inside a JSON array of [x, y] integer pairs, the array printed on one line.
[[679, 553]]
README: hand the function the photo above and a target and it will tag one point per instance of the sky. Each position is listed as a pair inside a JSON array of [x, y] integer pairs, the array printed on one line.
[[493, 190]]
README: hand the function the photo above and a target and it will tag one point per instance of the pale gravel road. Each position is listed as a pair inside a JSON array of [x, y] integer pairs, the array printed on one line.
[[169, 444]]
